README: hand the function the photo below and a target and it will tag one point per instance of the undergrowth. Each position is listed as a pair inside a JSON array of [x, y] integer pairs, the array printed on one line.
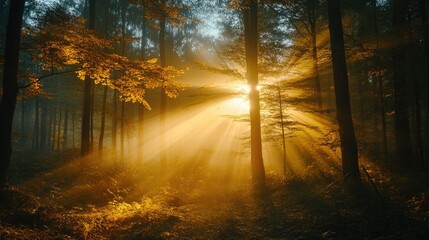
[[106, 200]]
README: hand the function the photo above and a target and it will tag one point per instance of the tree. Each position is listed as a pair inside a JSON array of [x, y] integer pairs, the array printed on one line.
[[10, 84], [64, 45], [250, 20], [349, 151], [402, 129], [87, 96]]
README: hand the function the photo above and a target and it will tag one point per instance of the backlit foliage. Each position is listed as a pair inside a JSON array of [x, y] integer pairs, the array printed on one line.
[[174, 13], [62, 43]]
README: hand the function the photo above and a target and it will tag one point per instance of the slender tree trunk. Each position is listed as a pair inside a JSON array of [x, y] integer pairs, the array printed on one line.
[[425, 23], [49, 130], [35, 142], [361, 88], [402, 128], [349, 151], [10, 85], [141, 108], [53, 131], [122, 145], [316, 75], [43, 125], [65, 129], [114, 124], [103, 119], [380, 80], [123, 52], [23, 137], [163, 107], [418, 125], [105, 89], [91, 146], [86, 109], [282, 122], [251, 46], [73, 129], [59, 131]]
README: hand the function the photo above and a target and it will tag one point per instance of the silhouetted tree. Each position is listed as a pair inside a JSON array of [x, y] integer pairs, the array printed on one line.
[[250, 20], [349, 151], [10, 84]]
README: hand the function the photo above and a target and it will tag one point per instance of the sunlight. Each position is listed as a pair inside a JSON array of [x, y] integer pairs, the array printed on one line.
[[238, 105]]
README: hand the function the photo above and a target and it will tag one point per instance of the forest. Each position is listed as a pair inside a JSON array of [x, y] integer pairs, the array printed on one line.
[[219, 119]]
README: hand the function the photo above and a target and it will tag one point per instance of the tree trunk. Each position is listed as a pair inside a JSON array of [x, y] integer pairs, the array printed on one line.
[[86, 109], [65, 129], [114, 124], [59, 131], [163, 107], [141, 108], [123, 52], [10, 84], [316, 76], [73, 129], [43, 124], [23, 137], [282, 122], [53, 127], [103, 119], [91, 145], [35, 143], [380, 80], [402, 128], [122, 137], [251, 46], [425, 24], [104, 100], [349, 151], [418, 125]]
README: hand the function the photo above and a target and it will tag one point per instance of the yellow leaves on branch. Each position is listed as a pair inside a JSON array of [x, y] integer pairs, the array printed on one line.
[[70, 45]]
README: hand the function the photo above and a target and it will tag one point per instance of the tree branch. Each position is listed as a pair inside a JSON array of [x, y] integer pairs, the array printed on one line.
[[48, 75]]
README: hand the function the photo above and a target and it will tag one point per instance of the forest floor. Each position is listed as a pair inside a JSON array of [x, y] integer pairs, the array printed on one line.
[[75, 200]]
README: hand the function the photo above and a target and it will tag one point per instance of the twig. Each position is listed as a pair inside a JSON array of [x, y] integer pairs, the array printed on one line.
[[370, 179]]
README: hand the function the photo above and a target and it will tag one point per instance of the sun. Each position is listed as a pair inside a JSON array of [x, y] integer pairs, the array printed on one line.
[[240, 103]]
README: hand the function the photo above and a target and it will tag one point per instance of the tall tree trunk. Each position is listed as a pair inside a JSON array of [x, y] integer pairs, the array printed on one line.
[[73, 128], [114, 124], [59, 131], [103, 119], [123, 52], [425, 23], [23, 137], [141, 108], [349, 151], [282, 122], [316, 75], [65, 128], [91, 145], [163, 107], [10, 84], [402, 128], [122, 145], [43, 124], [104, 100], [35, 143], [380, 79], [251, 45], [86, 109], [53, 127], [418, 121]]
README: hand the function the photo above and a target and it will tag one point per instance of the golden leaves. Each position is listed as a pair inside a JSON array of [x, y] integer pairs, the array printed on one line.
[[71, 45]]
